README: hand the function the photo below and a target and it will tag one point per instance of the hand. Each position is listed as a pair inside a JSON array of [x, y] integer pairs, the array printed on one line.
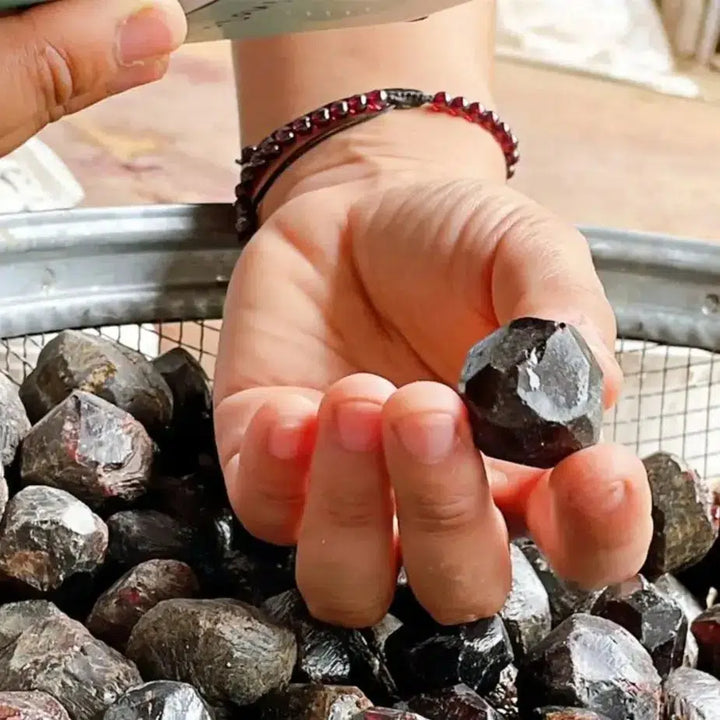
[[61, 57], [346, 325]]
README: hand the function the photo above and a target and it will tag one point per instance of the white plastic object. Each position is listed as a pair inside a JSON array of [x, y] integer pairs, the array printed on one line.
[[618, 39], [33, 178]]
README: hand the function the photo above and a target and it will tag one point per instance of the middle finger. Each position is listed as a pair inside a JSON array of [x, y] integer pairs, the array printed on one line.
[[346, 557], [454, 539]]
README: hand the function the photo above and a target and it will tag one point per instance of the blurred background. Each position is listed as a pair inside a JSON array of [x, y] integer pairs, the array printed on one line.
[[616, 104]]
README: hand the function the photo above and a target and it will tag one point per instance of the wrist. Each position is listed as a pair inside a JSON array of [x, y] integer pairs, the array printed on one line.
[[398, 147]]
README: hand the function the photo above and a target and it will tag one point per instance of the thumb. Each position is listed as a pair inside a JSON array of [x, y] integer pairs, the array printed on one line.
[[60, 57], [542, 267]]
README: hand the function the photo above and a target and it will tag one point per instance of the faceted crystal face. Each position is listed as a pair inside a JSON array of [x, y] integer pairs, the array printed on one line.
[[90, 448], [458, 702], [429, 657], [160, 700], [656, 620], [534, 392], [591, 663], [47, 536], [379, 713], [526, 613], [692, 694]]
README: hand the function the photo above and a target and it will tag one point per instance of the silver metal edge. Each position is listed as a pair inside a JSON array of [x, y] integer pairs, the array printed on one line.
[[161, 263]]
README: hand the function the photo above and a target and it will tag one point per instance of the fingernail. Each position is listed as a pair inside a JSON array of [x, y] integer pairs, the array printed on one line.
[[285, 441], [429, 438], [147, 34], [358, 425], [136, 75]]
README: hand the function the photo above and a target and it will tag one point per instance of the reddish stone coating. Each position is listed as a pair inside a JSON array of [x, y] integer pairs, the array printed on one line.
[[90, 448], [30, 705], [47, 535], [119, 608]]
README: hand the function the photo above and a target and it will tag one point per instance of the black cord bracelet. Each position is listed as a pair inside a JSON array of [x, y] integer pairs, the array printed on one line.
[[262, 164]]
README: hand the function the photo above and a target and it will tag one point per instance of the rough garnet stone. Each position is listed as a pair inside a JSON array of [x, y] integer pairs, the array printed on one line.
[[230, 651], [656, 620], [14, 423], [77, 361], [91, 448], [30, 705], [119, 608], [458, 702], [706, 629], [670, 586], [534, 392], [186, 616], [526, 612], [692, 694], [381, 713], [160, 700], [47, 535], [323, 652], [591, 663], [566, 713], [565, 597], [682, 511], [432, 657], [313, 702], [60, 657]]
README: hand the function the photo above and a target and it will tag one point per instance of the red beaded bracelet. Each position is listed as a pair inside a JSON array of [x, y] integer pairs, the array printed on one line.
[[262, 164]]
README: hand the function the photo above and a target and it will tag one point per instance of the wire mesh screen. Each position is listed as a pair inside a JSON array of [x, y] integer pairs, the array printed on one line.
[[670, 401]]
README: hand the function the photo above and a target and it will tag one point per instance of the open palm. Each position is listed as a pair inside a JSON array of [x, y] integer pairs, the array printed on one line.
[[346, 324]]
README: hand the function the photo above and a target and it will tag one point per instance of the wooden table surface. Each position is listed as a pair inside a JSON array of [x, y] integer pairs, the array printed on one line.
[[597, 152]]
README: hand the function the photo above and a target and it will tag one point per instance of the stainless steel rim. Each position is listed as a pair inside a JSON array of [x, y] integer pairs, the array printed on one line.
[[164, 263]]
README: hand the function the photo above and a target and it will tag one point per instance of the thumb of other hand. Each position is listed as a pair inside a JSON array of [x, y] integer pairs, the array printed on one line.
[[60, 57]]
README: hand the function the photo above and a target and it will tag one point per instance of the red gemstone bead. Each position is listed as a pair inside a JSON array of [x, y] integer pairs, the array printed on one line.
[[357, 104], [268, 150], [302, 126], [320, 117], [339, 110], [474, 111], [377, 100], [485, 119], [506, 144], [458, 106], [284, 136], [440, 101]]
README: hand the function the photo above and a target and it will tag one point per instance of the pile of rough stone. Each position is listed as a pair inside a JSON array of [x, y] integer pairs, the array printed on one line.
[[128, 591]]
